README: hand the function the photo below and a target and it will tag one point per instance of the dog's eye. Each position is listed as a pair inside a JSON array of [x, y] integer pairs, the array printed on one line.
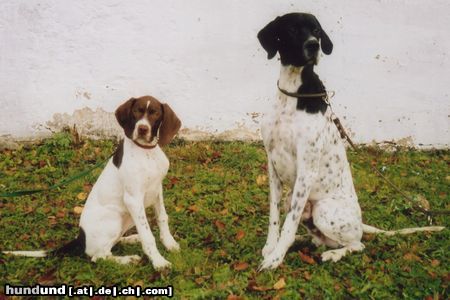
[[151, 111], [316, 31]]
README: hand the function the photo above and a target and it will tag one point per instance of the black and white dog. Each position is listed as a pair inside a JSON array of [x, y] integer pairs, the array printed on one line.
[[305, 151]]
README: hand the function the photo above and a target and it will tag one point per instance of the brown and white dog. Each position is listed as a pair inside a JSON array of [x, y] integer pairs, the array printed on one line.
[[130, 182]]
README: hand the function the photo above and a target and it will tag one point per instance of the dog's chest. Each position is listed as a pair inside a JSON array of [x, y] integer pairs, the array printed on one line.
[[144, 171], [279, 132]]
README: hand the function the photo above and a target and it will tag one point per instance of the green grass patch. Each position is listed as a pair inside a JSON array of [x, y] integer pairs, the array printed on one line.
[[216, 197]]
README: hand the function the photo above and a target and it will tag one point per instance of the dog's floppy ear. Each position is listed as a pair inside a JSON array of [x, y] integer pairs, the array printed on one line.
[[268, 37], [325, 42], [123, 114], [169, 126]]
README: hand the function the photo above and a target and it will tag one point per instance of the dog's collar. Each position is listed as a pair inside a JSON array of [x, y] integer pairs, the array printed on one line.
[[323, 95], [152, 145]]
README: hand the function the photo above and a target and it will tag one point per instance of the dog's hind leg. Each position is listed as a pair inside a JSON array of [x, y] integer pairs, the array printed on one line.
[[340, 226], [337, 254], [131, 239]]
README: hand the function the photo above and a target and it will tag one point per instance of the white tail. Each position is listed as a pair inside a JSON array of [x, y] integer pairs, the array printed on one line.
[[39, 253], [371, 229]]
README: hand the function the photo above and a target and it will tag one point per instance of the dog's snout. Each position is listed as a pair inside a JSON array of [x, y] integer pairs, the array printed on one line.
[[311, 46], [143, 130]]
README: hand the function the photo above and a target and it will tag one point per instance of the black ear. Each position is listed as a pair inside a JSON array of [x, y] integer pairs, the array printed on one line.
[[268, 37], [325, 42]]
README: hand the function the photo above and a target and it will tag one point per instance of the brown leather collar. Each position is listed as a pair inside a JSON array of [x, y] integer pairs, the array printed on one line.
[[145, 146], [323, 95]]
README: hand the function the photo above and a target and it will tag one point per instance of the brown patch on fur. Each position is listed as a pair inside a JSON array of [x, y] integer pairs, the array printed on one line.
[[118, 154]]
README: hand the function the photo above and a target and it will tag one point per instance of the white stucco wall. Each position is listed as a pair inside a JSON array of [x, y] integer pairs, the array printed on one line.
[[390, 66]]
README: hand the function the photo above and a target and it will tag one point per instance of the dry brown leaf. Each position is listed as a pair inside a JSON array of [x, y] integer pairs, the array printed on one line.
[[280, 284], [307, 275], [261, 180], [48, 278], [240, 266], [60, 214], [411, 257], [78, 209], [435, 263], [193, 208], [87, 187], [306, 258], [240, 234], [253, 286], [199, 280], [82, 196], [220, 225]]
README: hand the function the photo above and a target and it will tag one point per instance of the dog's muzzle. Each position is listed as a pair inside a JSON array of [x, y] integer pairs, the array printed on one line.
[[311, 49]]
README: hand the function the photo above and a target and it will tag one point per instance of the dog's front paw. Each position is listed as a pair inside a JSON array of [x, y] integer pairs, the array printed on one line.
[[171, 244], [160, 262], [271, 261], [268, 248]]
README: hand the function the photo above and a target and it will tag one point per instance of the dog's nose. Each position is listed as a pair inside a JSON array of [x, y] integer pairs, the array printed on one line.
[[311, 46], [142, 130]]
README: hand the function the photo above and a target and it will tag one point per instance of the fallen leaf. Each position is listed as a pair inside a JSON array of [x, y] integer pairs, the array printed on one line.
[[307, 275], [234, 297], [411, 257], [280, 284], [261, 180], [48, 278], [220, 225], [240, 266], [87, 187], [240, 234], [78, 209], [82, 196], [60, 214], [216, 154], [435, 263], [52, 220], [306, 258], [193, 208], [199, 280], [224, 212], [253, 286]]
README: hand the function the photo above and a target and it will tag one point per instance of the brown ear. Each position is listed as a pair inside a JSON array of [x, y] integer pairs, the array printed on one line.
[[124, 116], [169, 126]]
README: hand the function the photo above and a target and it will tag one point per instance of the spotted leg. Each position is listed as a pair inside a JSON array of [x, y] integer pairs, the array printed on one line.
[[135, 206], [163, 223], [274, 217], [307, 164]]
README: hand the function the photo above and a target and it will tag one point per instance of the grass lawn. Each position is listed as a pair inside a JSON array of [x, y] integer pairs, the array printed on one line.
[[217, 199]]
